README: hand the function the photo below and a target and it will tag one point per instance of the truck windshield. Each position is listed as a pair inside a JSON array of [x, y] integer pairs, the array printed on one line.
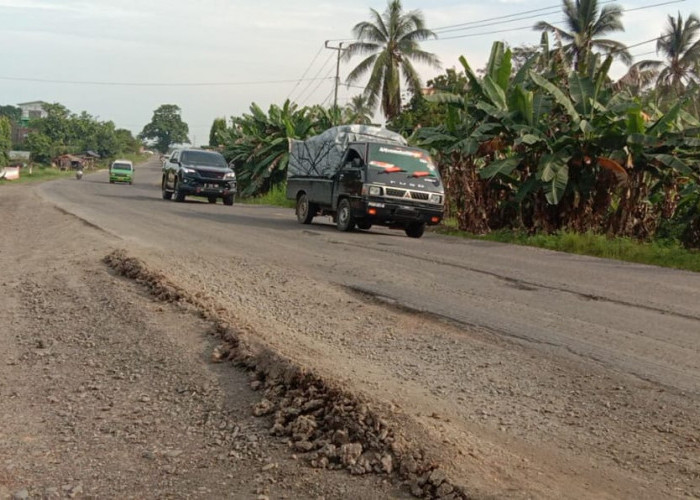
[[121, 166], [203, 158], [412, 162]]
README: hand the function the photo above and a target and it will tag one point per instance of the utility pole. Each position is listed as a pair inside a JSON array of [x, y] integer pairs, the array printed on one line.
[[339, 48]]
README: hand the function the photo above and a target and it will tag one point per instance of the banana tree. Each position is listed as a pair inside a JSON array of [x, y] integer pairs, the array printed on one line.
[[551, 153], [257, 142]]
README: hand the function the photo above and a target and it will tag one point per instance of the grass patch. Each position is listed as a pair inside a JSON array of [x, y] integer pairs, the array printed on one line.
[[39, 174], [277, 196], [42, 173], [665, 253]]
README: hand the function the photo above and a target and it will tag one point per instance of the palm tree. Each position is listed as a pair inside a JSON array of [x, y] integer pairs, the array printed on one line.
[[357, 111], [587, 23], [391, 40], [680, 46]]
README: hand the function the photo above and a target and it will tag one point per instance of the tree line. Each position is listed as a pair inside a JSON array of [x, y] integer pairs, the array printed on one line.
[[62, 131]]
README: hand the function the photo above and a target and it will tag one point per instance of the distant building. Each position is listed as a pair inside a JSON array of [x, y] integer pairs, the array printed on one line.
[[33, 109]]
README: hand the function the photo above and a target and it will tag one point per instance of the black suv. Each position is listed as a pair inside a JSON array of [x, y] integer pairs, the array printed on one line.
[[196, 172]]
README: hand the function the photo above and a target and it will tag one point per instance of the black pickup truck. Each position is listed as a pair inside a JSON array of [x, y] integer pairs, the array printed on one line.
[[196, 172], [364, 176]]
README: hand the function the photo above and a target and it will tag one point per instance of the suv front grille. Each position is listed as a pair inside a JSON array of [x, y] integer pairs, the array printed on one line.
[[209, 174]]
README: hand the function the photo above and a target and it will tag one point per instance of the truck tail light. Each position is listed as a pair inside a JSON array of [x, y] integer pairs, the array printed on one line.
[[435, 219], [372, 211]]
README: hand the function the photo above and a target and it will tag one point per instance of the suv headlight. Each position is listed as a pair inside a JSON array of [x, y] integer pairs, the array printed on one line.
[[231, 176], [188, 170], [375, 191], [435, 198]]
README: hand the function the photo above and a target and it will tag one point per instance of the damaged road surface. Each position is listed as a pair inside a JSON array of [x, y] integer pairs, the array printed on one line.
[[161, 349]]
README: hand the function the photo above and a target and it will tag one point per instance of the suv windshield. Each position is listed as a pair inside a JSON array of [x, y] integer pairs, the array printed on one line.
[[203, 158], [121, 166], [411, 162]]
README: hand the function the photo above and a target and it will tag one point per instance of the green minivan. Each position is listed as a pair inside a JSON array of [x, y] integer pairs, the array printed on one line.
[[121, 171]]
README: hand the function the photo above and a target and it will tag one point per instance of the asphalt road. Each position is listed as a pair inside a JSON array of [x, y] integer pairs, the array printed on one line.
[[636, 319]]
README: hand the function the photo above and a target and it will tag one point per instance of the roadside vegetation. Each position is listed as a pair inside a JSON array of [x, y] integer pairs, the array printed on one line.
[[38, 174], [277, 196], [660, 252], [43, 173]]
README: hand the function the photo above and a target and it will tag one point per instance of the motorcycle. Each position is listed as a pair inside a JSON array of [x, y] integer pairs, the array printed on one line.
[[79, 174]]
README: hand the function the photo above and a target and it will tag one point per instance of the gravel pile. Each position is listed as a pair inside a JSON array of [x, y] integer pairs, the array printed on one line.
[[319, 421]]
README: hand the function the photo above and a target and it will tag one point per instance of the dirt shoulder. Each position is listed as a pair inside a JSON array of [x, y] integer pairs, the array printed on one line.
[[112, 391], [109, 393]]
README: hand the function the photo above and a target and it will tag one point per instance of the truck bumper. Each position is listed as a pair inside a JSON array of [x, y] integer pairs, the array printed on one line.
[[396, 214]]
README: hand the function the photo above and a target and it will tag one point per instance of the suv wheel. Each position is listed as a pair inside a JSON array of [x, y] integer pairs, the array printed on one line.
[[179, 195], [211, 199], [166, 194], [345, 222], [229, 199]]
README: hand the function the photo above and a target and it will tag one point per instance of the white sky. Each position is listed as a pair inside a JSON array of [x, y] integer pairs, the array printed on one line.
[[237, 41]]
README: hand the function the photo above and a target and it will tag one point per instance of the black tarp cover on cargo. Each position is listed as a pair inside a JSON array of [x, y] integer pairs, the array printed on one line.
[[320, 156]]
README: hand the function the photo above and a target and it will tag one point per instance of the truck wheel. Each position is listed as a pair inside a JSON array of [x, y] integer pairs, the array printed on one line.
[[166, 194], [345, 222], [211, 199], [415, 229], [179, 195], [305, 210], [228, 199], [364, 225]]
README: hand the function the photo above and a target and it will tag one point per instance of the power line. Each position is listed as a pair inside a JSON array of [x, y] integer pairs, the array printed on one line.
[[493, 32], [481, 22], [305, 72], [142, 84], [308, 85], [485, 25], [654, 5], [315, 88]]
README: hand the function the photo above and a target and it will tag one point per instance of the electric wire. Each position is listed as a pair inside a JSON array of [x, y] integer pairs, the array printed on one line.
[[313, 91], [305, 90], [305, 72], [492, 32]]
